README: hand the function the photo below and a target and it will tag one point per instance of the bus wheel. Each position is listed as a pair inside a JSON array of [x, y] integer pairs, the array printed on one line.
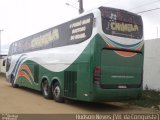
[[46, 90], [56, 90], [12, 82]]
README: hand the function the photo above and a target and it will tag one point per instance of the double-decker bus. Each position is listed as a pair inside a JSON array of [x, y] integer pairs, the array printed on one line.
[[95, 57]]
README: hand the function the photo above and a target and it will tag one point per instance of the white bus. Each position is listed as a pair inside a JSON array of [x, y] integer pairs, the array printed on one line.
[[95, 57]]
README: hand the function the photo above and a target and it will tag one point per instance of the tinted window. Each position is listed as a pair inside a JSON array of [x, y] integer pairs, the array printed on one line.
[[72, 32], [121, 23]]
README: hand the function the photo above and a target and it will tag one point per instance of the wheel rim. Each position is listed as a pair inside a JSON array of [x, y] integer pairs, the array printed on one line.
[[45, 88], [56, 91]]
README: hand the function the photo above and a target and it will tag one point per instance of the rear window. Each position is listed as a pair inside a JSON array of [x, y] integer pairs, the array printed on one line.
[[121, 23]]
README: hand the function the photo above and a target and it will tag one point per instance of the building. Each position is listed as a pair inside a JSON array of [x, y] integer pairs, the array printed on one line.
[[152, 64], [3, 63]]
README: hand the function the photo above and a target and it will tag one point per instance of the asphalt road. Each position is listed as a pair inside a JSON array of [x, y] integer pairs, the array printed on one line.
[[22, 100]]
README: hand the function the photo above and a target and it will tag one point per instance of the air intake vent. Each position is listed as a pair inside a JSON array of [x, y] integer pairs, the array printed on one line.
[[70, 84]]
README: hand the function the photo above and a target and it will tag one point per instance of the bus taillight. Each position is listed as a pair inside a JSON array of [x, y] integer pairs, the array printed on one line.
[[97, 74]]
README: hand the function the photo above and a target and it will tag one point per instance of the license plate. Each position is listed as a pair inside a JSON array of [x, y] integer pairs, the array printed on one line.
[[122, 86]]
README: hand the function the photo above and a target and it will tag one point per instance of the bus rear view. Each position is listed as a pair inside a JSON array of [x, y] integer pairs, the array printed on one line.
[[95, 57], [118, 69]]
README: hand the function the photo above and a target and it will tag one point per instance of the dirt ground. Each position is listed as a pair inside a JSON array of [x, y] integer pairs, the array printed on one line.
[[22, 100]]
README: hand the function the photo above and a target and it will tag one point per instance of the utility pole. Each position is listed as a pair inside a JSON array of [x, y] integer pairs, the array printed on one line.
[[0, 41], [157, 32], [81, 10]]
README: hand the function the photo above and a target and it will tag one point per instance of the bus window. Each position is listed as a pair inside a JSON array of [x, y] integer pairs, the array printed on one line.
[[121, 23]]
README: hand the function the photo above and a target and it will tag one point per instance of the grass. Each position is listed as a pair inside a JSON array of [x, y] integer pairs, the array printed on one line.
[[150, 99], [2, 75]]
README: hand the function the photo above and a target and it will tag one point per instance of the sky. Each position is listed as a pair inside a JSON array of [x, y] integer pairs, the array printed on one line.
[[21, 18]]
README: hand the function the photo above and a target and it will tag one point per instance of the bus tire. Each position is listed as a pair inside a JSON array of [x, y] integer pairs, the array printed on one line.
[[12, 82], [56, 90], [46, 90]]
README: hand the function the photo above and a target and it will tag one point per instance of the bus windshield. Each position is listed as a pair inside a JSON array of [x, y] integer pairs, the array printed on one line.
[[121, 23]]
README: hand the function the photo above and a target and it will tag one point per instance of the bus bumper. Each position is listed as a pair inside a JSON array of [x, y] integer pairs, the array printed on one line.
[[108, 95]]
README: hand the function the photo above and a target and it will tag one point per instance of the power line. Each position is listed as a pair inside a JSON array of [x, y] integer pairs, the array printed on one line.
[[107, 2], [75, 2], [113, 1], [147, 10], [81, 10], [149, 3], [71, 5]]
